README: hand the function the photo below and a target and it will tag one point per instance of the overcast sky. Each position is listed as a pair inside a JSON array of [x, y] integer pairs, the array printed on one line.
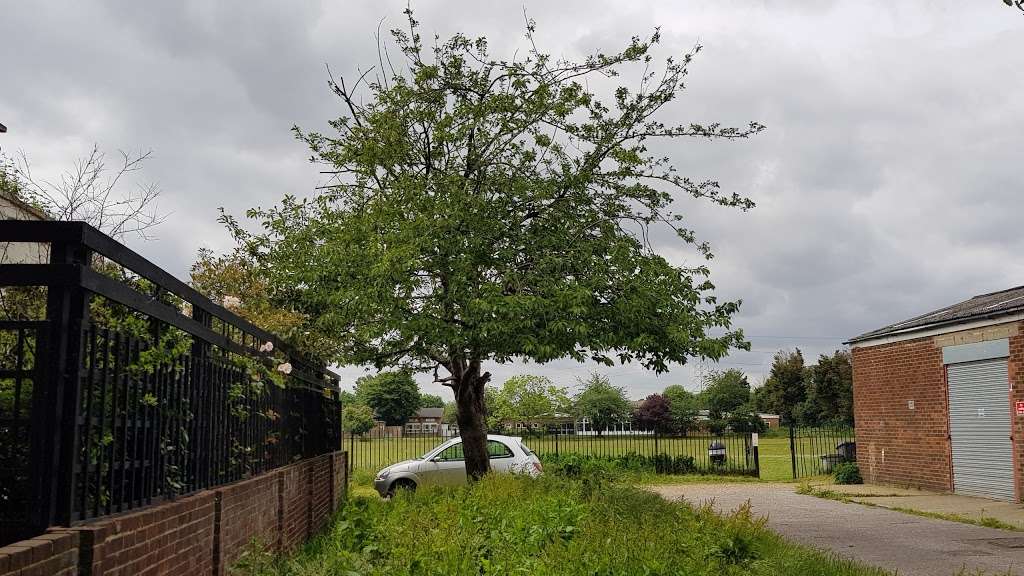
[[889, 182]]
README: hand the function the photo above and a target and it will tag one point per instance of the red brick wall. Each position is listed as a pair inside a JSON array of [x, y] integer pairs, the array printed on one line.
[[897, 445], [294, 502], [320, 507], [1016, 370], [247, 512], [172, 538], [52, 554], [339, 468], [199, 535]]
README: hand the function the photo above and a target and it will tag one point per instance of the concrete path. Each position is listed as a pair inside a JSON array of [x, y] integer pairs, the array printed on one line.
[[922, 501], [908, 545]]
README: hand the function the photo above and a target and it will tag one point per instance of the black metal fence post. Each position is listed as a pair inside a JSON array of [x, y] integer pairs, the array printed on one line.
[[757, 460], [55, 401], [792, 447], [351, 450]]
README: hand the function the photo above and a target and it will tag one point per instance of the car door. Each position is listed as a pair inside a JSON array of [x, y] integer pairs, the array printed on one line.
[[501, 455], [448, 467]]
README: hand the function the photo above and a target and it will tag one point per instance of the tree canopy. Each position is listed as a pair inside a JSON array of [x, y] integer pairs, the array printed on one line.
[[486, 209], [725, 392], [785, 390], [393, 396], [602, 403], [830, 390], [684, 406], [431, 401], [654, 413], [357, 419], [528, 398]]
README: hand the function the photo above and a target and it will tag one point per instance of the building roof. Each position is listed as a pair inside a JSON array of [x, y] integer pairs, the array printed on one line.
[[429, 413], [983, 306]]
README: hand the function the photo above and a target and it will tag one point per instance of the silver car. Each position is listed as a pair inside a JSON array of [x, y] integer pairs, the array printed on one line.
[[445, 465]]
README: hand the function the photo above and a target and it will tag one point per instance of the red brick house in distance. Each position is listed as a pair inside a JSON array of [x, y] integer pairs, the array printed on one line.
[[939, 399]]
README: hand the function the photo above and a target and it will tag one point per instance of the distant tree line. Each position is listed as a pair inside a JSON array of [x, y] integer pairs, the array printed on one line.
[[809, 395], [816, 395]]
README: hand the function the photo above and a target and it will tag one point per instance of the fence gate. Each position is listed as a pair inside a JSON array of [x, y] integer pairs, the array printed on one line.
[[19, 343], [815, 451]]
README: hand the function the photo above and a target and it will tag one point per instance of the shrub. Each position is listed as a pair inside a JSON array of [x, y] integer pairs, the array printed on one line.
[[848, 473], [583, 465]]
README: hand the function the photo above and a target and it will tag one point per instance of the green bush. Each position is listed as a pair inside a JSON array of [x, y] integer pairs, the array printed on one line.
[[584, 465], [552, 526], [848, 473]]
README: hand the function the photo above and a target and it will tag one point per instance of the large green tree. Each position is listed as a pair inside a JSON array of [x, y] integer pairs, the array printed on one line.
[[683, 409], [431, 401], [393, 395], [785, 390], [357, 419], [830, 390], [725, 392], [486, 209], [528, 398], [602, 403]]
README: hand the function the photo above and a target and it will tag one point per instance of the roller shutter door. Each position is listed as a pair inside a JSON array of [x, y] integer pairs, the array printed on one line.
[[979, 428]]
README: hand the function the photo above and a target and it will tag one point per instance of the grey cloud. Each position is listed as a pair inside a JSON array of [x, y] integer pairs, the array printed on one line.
[[887, 184]]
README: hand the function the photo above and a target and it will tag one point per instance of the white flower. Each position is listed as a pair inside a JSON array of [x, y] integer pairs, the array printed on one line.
[[267, 346], [231, 302], [285, 368]]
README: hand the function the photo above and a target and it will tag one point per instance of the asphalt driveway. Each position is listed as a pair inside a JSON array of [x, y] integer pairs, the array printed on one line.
[[908, 545]]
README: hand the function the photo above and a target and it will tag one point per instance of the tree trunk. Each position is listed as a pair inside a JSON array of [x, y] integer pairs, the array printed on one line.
[[469, 399]]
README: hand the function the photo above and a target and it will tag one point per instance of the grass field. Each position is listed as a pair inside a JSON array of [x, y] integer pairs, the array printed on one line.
[[774, 452]]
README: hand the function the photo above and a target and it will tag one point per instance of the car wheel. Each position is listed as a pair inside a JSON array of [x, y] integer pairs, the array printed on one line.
[[401, 484]]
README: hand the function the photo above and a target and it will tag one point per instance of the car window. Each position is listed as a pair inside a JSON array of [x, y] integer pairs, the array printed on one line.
[[526, 449], [497, 449], [452, 453]]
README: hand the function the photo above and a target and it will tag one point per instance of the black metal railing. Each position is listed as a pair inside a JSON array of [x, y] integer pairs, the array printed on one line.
[[18, 343], [735, 455], [134, 388], [817, 450]]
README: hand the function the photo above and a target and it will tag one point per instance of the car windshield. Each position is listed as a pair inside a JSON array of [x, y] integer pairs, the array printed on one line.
[[429, 452], [526, 449]]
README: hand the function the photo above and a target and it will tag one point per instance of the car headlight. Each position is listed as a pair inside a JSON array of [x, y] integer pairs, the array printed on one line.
[[383, 474]]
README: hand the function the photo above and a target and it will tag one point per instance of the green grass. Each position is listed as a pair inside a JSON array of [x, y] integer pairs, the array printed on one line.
[[774, 455], [547, 526]]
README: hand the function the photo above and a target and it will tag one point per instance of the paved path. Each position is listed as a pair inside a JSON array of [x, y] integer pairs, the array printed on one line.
[[909, 545]]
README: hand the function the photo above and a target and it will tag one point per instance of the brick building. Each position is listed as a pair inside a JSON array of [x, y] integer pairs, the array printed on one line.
[[939, 399], [425, 421]]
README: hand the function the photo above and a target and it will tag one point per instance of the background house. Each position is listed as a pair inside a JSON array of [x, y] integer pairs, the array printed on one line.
[[14, 208], [425, 421], [772, 421], [939, 398]]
